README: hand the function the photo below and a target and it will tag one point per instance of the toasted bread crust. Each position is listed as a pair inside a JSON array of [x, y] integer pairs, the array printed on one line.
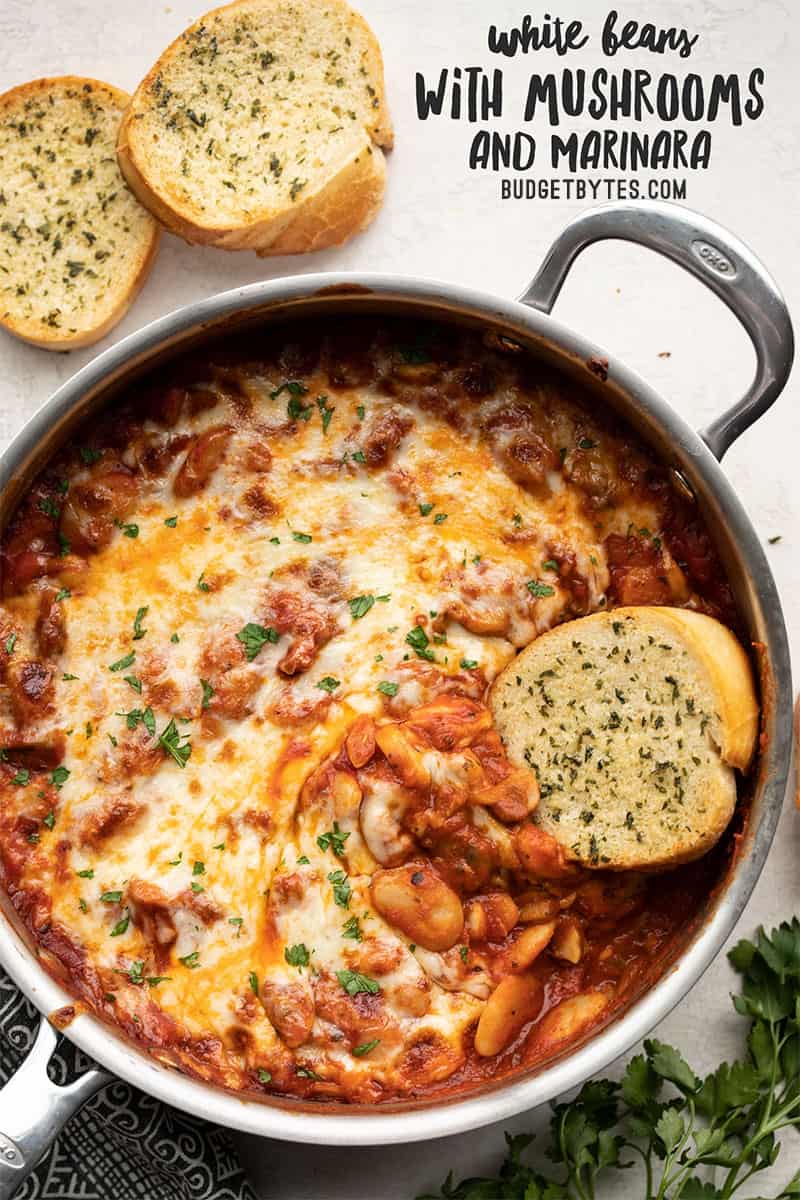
[[633, 721], [129, 274], [340, 202]]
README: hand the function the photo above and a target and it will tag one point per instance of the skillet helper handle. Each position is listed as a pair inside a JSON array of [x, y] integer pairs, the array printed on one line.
[[34, 1110], [714, 256]]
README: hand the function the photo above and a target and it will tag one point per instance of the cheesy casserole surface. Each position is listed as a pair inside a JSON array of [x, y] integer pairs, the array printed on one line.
[[252, 807]]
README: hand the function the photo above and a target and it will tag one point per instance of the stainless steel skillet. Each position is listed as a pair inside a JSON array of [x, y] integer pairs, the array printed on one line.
[[32, 1109]]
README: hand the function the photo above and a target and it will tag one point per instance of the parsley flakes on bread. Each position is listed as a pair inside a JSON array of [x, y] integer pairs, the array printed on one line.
[[634, 722], [262, 127], [75, 244]]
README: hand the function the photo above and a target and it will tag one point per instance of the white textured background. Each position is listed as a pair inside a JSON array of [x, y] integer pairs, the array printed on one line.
[[441, 220]]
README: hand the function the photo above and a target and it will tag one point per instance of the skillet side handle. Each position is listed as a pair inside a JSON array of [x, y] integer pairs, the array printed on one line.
[[34, 1110], [714, 256]]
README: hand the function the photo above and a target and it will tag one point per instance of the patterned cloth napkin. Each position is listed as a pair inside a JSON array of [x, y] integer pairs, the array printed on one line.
[[122, 1145]]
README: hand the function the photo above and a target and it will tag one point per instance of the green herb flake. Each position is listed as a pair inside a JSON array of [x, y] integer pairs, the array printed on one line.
[[253, 637], [122, 664], [360, 605], [334, 840], [170, 742], [365, 1047], [141, 613], [540, 589], [121, 926], [352, 930], [417, 638], [329, 684], [354, 983], [388, 688], [297, 956], [341, 888]]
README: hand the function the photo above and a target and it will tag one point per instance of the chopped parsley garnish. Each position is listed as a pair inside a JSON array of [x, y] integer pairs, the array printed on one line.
[[306, 1072], [586, 444], [352, 930], [59, 777], [170, 742], [440, 518], [49, 820], [305, 538], [135, 972], [293, 386], [121, 926], [303, 860], [388, 688], [122, 664], [426, 509], [141, 613], [325, 412], [219, 846], [540, 589], [353, 982], [88, 873], [297, 956], [82, 905], [365, 1047], [358, 456], [171, 522], [360, 605], [11, 642], [253, 637], [89, 456], [22, 777], [464, 953], [263, 1075], [68, 678], [133, 682], [202, 586], [550, 565], [468, 664], [129, 530], [208, 692], [64, 545], [143, 716], [253, 983], [191, 960], [155, 980], [328, 684], [341, 888], [63, 594], [297, 411], [237, 923], [49, 508], [175, 639], [417, 638], [334, 840], [199, 868], [111, 897]]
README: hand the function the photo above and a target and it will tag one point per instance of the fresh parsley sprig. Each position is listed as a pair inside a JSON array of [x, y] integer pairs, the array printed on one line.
[[697, 1138]]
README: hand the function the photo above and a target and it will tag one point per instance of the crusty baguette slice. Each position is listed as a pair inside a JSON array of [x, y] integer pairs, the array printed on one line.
[[75, 244], [633, 721], [261, 127]]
